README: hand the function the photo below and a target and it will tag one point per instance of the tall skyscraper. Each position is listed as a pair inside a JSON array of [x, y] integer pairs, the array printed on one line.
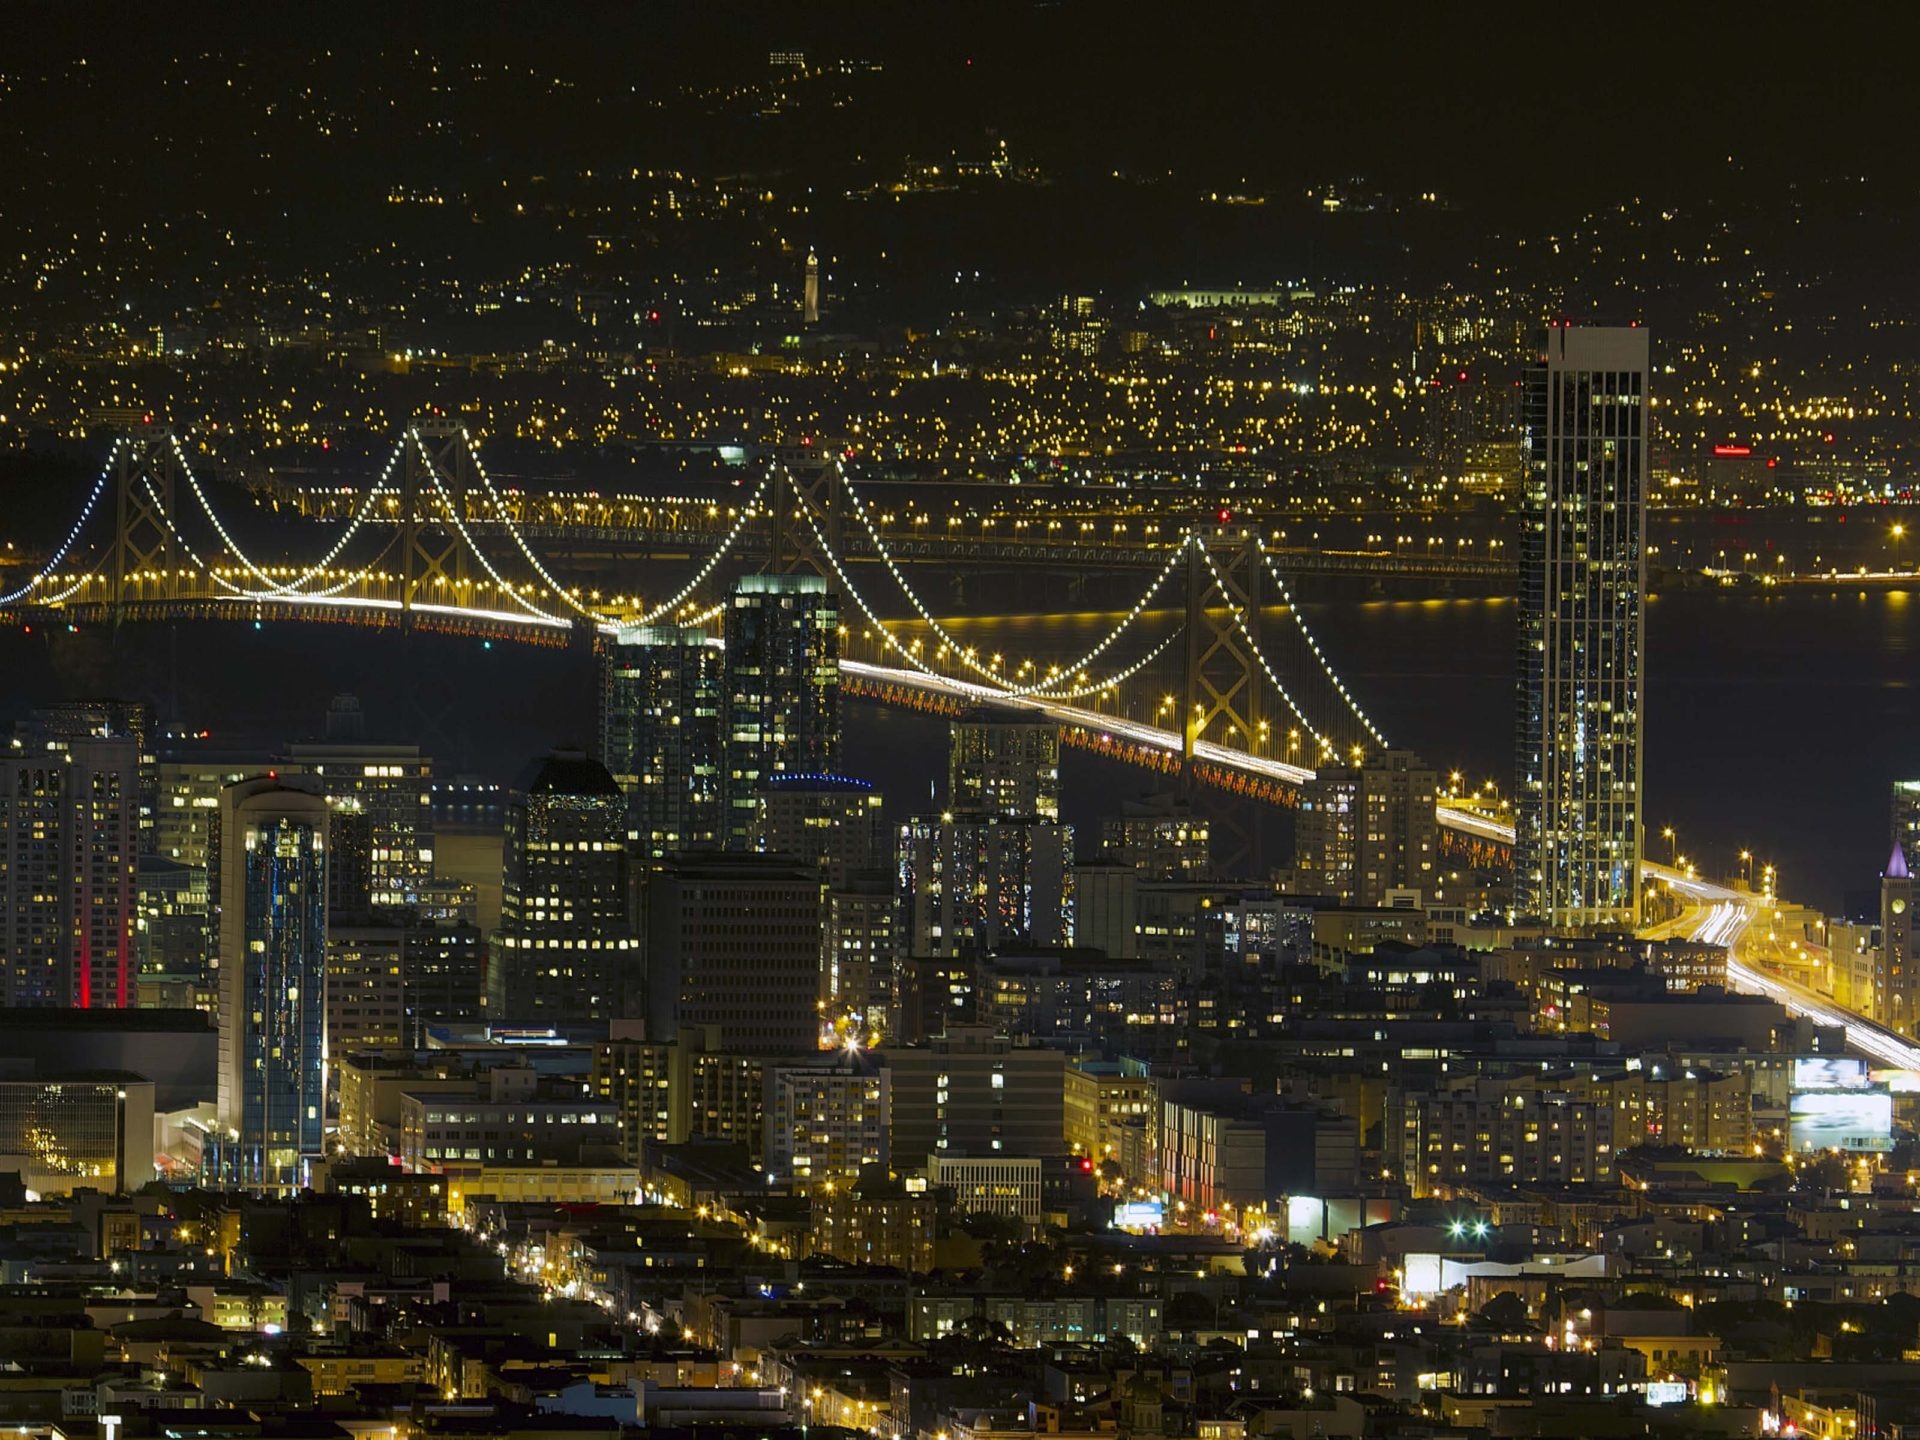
[[662, 736], [69, 826], [783, 688], [566, 948], [810, 301], [273, 967], [857, 939], [733, 941], [1364, 830], [1584, 441], [390, 784], [1002, 762]]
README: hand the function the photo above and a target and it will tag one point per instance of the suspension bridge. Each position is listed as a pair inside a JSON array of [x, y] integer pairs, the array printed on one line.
[[1239, 692]]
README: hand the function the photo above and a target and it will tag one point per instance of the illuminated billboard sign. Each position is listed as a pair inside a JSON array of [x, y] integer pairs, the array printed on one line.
[[1139, 1215], [1829, 1072], [1840, 1120]]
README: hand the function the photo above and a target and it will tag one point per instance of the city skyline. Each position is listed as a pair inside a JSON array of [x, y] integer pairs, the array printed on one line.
[[1016, 723]]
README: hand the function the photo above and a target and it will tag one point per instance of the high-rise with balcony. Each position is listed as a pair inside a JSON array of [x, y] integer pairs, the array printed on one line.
[[661, 734], [782, 689], [1585, 431], [69, 817]]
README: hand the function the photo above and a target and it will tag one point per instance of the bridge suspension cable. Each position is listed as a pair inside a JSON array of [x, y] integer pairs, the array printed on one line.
[[293, 589], [1044, 687], [667, 607], [453, 514], [73, 535], [1050, 689], [1300, 620], [500, 509]]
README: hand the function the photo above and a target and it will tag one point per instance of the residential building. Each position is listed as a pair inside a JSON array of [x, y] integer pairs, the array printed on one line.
[[832, 822], [970, 884], [1004, 762], [389, 784], [1364, 831], [825, 1119], [1582, 555], [662, 736], [1161, 837], [69, 827], [782, 683]]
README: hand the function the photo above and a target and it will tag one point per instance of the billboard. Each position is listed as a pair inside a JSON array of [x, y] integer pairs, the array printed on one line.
[[1857, 1119], [1829, 1072], [1139, 1215]]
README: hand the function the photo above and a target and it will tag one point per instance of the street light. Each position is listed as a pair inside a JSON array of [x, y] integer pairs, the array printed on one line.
[[1673, 846]]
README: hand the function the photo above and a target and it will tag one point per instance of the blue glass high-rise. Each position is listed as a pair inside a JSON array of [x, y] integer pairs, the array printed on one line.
[[273, 952]]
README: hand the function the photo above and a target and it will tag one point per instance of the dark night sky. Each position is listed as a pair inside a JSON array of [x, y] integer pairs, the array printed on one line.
[[1501, 105]]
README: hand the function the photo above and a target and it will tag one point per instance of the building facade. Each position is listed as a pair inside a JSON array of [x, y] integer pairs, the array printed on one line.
[[566, 949], [69, 827], [1365, 830], [782, 689], [390, 785], [833, 822], [1162, 837], [825, 1120], [1003, 763], [273, 971], [971, 883], [971, 1092], [662, 734], [1586, 430], [733, 941]]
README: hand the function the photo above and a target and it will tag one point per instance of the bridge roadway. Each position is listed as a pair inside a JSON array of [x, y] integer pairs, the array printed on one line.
[[1721, 916], [1153, 737]]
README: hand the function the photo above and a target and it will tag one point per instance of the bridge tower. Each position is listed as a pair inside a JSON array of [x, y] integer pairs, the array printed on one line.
[[1223, 636], [434, 481], [146, 468], [1222, 699], [801, 489]]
